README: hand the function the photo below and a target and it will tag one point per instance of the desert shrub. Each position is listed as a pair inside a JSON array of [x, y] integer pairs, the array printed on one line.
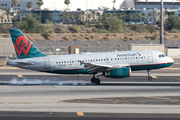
[[139, 28], [88, 38], [107, 38], [66, 38], [114, 34], [74, 35], [148, 37], [51, 30], [30, 24], [59, 30], [113, 24], [172, 22], [92, 36], [5, 36], [176, 36], [165, 32], [103, 31], [47, 35], [151, 28], [128, 38], [174, 30], [155, 36], [76, 28]]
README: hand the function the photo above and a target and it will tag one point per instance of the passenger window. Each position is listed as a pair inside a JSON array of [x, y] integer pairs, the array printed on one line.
[[104, 59], [141, 57], [96, 60], [64, 61], [126, 58], [101, 59], [72, 61], [115, 58], [111, 59], [93, 60], [56, 62], [69, 61], [136, 57], [118, 58]]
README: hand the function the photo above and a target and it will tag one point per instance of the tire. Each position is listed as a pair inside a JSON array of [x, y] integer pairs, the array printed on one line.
[[150, 78], [93, 80], [97, 81]]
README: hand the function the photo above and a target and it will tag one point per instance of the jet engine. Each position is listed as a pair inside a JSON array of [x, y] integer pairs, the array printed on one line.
[[119, 73]]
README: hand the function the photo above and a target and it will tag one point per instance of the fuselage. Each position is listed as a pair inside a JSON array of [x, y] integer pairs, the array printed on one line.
[[73, 64]]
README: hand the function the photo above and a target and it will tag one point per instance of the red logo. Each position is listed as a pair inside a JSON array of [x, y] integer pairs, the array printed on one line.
[[22, 44]]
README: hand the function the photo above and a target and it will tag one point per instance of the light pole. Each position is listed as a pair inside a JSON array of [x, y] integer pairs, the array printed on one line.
[[162, 25]]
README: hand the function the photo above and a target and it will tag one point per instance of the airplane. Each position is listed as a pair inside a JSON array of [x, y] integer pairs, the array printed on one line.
[[117, 64]]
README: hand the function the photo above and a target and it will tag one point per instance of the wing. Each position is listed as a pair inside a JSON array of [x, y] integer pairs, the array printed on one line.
[[93, 67]]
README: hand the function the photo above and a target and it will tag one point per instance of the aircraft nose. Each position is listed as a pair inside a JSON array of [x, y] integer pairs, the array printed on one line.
[[170, 60]]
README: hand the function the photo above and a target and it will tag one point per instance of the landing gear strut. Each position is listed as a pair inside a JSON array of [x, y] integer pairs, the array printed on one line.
[[149, 75], [95, 80]]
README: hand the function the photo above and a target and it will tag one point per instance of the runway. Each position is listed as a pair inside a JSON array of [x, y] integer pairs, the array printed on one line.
[[70, 95]]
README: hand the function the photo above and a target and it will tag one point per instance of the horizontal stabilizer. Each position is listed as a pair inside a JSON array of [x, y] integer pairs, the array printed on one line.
[[25, 63]]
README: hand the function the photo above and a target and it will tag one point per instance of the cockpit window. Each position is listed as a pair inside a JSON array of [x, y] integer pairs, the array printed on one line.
[[162, 55]]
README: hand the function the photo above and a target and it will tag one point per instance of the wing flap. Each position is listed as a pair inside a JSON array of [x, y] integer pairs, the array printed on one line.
[[93, 67]]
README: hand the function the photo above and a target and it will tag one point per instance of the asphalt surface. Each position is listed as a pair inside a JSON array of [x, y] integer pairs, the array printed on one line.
[[87, 116], [63, 97]]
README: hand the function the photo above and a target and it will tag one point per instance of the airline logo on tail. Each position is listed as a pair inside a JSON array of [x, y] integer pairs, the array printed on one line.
[[22, 45]]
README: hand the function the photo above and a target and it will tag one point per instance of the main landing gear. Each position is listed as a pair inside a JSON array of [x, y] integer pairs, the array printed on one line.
[[95, 80], [149, 75]]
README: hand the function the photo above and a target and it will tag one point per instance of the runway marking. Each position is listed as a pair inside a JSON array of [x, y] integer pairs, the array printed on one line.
[[156, 97], [19, 75], [154, 77], [80, 113], [19, 103]]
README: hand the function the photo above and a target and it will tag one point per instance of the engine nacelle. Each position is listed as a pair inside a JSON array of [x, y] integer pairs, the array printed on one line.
[[119, 73]]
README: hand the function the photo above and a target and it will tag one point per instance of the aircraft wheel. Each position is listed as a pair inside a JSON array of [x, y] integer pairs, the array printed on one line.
[[93, 80], [97, 81], [150, 78]]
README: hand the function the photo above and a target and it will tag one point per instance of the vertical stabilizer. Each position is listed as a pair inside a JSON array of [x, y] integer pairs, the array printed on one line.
[[24, 48]]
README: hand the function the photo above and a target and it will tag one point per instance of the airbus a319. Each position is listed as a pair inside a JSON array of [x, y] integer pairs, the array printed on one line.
[[109, 64]]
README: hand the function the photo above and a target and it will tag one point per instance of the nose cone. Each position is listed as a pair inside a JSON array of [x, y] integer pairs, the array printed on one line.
[[170, 60]]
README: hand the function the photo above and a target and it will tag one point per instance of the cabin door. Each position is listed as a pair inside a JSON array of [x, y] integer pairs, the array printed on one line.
[[149, 57]]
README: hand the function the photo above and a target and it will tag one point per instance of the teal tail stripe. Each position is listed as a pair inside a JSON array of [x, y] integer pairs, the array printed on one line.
[[24, 48]]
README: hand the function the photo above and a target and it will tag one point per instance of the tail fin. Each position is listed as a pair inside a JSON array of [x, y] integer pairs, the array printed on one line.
[[24, 48]]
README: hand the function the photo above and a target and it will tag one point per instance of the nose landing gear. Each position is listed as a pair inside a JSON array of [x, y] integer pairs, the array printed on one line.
[[149, 75], [95, 80]]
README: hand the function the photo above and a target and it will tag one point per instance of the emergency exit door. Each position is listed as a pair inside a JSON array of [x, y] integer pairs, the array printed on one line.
[[46, 63]]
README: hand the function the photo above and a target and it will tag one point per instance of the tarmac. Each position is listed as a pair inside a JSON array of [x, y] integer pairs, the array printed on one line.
[[33, 95]]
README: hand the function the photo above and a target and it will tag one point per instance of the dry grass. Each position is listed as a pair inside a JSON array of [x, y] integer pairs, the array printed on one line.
[[88, 38], [107, 38], [67, 38]]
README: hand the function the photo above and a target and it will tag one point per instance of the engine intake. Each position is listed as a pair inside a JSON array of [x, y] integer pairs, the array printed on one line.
[[119, 73]]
